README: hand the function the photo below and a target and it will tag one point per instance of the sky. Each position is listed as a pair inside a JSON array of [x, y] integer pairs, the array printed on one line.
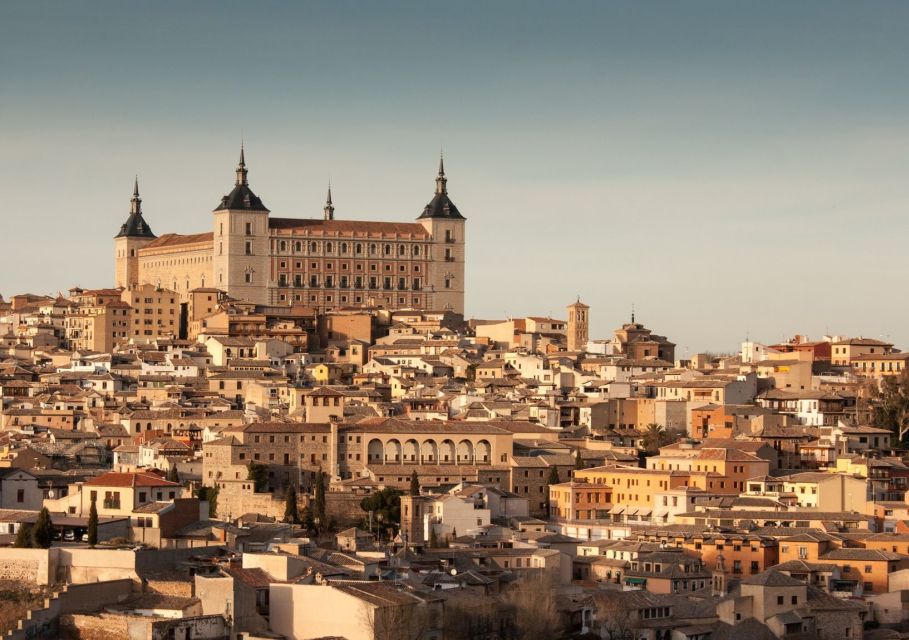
[[732, 169]]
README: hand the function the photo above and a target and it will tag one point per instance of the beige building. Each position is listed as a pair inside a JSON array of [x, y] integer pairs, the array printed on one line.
[[155, 313], [845, 351], [323, 263], [98, 326]]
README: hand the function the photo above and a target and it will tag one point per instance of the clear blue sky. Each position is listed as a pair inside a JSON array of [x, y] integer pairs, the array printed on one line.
[[728, 167]]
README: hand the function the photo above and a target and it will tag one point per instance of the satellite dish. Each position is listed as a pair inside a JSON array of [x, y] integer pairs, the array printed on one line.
[[454, 572], [51, 494]]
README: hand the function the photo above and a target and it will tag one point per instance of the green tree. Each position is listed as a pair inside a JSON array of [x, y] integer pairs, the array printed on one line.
[[309, 519], [258, 473], [414, 484], [211, 495], [552, 479], [93, 524], [890, 405], [291, 510], [385, 503], [172, 474], [433, 538], [653, 438], [319, 503], [23, 536], [43, 531], [578, 461]]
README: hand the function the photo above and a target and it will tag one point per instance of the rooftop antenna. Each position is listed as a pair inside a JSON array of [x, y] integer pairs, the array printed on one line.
[[632, 313]]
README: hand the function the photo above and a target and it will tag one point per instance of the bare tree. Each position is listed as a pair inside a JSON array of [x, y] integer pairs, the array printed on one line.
[[416, 620], [531, 609], [471, 617], [614, 617]]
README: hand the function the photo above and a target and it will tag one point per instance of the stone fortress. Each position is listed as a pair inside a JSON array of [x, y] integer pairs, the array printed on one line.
[[323, 263]]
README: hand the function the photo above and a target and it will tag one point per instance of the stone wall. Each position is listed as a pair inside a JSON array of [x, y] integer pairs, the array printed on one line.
[[344, 508], [35, 566], [74, 598], [103, 626], [179, 588]]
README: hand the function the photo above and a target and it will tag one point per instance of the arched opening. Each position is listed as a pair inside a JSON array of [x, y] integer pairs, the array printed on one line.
[[393, 450], [447, 452], [375, 452], [484, 451], [410, 451], [465, 451], [429, 452]]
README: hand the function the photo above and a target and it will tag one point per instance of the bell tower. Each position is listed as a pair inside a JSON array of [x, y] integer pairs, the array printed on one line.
[[134, 234], [578, 326]]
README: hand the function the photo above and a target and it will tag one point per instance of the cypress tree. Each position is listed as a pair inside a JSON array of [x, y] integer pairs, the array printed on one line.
[[23, 537], [93, 524], [43, 531], [414, 484], [291, 512], [320, 501]]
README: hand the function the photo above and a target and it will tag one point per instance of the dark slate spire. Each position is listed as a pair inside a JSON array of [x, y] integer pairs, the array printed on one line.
[[329, 208], [441, 180], [241, 198], [241, 169], [441, 205], [135, 225], [135, 204]]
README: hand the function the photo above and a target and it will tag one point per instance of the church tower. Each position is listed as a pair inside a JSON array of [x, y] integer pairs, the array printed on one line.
[[718, 576], [578, 326], [240, 242], [443, 221], [134, 234]]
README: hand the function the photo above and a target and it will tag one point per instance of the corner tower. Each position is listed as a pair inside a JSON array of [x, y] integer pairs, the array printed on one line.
[[445, 224], [134, 234], [240, 241]]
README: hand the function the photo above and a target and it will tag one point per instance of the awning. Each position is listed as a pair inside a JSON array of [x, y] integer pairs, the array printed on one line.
[[631, 511], [640, 581], [660, 513], [645, 512], [616, 510]]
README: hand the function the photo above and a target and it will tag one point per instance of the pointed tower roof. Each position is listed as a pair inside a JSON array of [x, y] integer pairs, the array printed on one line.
[[441, 205], [242, 197], [135, 225], [329, 208]]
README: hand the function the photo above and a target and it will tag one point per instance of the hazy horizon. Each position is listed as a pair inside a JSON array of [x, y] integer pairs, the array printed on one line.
[[730, 171]]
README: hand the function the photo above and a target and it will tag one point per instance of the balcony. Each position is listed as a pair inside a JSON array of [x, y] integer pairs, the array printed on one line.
[[449, 259], [111, 504]]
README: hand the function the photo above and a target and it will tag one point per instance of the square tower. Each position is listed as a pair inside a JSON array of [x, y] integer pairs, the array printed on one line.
[[240, 242], [578, 326], [446, 225]]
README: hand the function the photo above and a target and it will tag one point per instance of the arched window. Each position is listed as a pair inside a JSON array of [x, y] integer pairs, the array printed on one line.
[[298, 247], [343, 247], [372, 249], [327, 247], [416, 249], [387, 250], [282, 246], [358, 248], [401, 249], [313, 247]]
